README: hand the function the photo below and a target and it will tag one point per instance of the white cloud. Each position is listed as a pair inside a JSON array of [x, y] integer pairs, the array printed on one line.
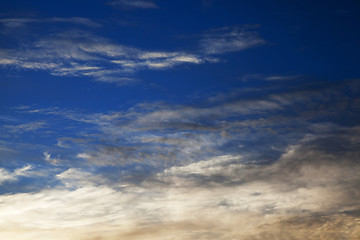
[[6, 176], [84, 155], [84, 54], [48, 158], [263, 197], [75, 178], [206, 199], [206, 167], [81, 53]]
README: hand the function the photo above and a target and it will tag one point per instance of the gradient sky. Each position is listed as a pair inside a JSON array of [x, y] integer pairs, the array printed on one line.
[[179, 120]]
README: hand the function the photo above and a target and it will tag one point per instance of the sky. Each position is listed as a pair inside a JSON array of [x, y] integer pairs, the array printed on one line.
[[179, 120]]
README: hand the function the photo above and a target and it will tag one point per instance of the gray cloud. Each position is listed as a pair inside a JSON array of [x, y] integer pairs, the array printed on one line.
[[311, 187], [132, 4], [227, 39], [21, 22], [25, 127], [273, 78], [310, 227], [164, 135]]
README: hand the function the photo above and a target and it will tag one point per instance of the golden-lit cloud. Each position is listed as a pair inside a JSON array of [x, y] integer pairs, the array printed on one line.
[[306, 190]]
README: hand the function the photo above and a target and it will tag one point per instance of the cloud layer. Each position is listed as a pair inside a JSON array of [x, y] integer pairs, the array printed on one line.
[[316, 193], [235, 167], [267, 155]]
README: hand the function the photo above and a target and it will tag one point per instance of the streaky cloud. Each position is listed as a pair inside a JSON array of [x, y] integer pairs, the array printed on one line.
[[133, 4], [81, 53], [227, 40], [21, 22], [26, 127]]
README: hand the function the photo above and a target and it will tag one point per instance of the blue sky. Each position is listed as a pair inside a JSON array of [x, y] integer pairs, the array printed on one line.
[[140, 119]]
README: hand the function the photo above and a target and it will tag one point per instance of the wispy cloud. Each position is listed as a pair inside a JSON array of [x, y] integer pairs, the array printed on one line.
[[282, 77], [21, 22], [273, 78], [81, 53], [6, 176], [225, 40], [85, 54], [165, 135], [25, 127], [132, 4], [48, 158], [76, 178], [133, 172]]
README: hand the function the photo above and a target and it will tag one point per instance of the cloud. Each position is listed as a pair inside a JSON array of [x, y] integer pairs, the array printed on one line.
[[21, 22], [258, 128], [310, 227], [6, 176], [225, 40], [75, 178], [307, 190], [132, 4], [282, 78], [207, 167], [311, 164], [84, 54], [26, 127], [273, 78], [81, 53], [48, 158], [6, 149], [158, 171]]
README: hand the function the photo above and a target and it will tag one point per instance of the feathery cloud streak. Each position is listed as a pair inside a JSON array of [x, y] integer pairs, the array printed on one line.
[[22, 22], [225, 40], [81, 53]]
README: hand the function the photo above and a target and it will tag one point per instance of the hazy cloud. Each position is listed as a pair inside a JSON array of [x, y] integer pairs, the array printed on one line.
[[26, 127], [48, 158], [166, 135], [131, 4], [275, 78], [160, 169], [300, 192], [21, 22], [227, 39]]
